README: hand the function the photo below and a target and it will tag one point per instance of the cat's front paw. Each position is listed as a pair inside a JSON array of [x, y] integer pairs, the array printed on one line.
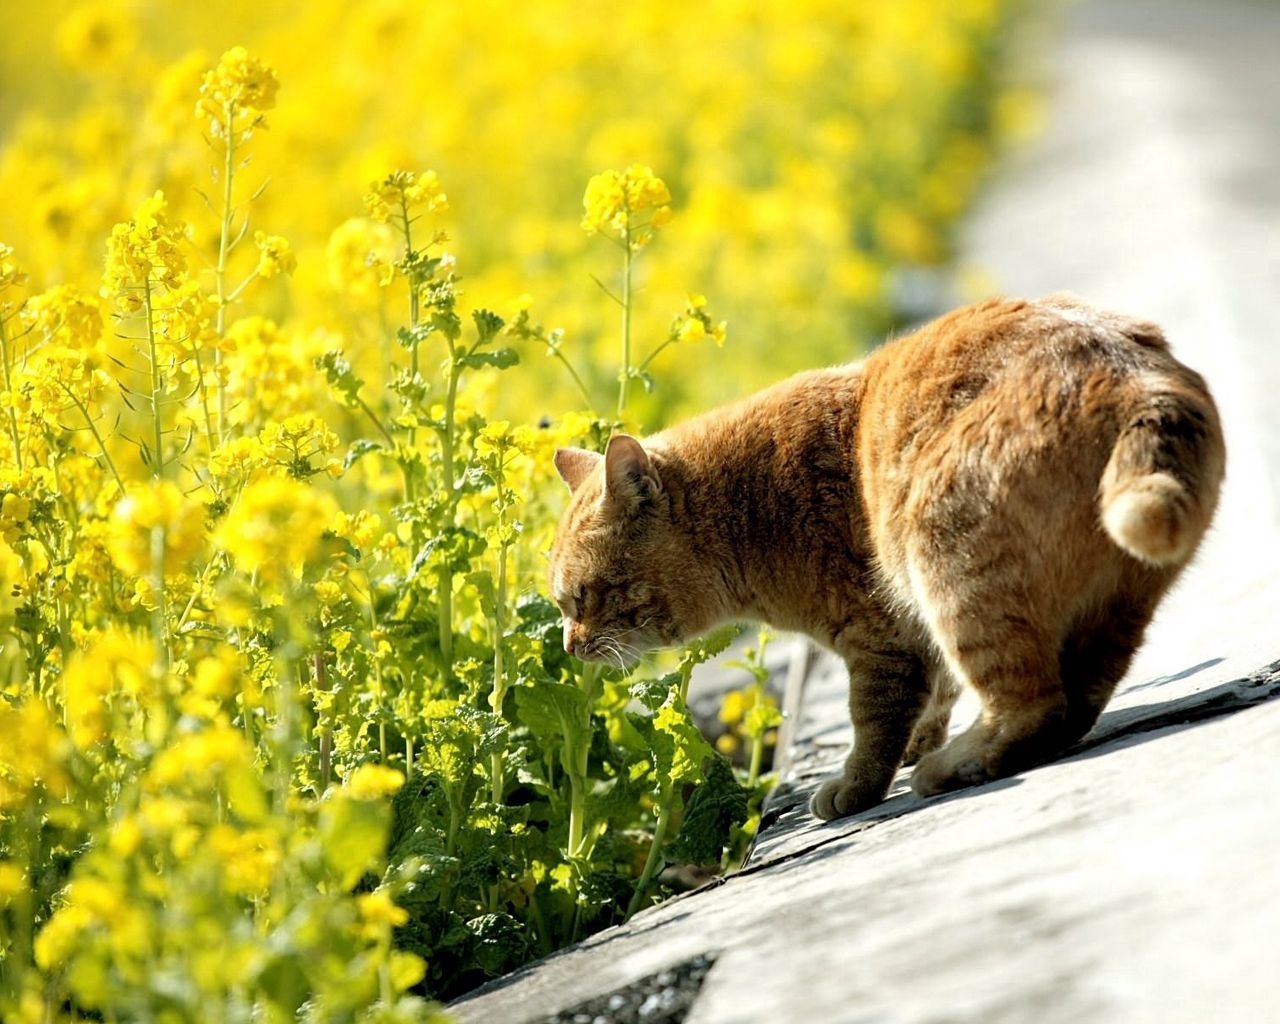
[[838, 798]]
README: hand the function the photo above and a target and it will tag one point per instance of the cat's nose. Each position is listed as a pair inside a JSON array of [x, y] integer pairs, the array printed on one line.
[[571, 638]]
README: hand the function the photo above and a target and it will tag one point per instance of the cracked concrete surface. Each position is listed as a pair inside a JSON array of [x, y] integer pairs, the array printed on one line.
[[1135, 879]]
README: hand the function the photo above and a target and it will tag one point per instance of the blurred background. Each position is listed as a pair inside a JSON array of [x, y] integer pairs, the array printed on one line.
[[819, 154]]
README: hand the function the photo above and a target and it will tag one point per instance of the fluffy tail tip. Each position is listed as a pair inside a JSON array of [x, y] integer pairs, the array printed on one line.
[[1151, 518]]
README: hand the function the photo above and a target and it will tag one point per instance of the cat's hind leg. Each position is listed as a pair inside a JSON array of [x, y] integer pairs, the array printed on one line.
[[887, 693], [991, 637], [1097, 652]]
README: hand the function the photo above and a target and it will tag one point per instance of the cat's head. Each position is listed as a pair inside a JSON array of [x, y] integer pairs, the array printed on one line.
[[620, 566]]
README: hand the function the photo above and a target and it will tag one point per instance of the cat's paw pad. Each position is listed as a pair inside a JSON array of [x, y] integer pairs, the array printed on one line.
[[838, 798]]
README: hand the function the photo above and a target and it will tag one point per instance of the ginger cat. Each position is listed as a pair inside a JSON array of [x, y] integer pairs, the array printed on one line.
[[999, 499]]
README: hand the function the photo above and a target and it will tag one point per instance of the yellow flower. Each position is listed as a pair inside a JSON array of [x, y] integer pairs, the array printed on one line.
[[143, 251], [59, 936], [238, 457], [249, 858], [496, 438], [115, 665], [275, 527], [360, 255], [373, 782], [692, 329], [362, 528], [155, 521], [64, 314], [328, 593], [378, 913], [11, 274], [694, 323], [96, 37], [274, 255], [402, 194], [236, 94], [630, 205], [12, 880], [33, 752], [293, 442]]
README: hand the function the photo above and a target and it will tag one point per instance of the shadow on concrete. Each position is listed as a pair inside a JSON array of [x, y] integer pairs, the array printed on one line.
[[1186, 673], [789, 834]]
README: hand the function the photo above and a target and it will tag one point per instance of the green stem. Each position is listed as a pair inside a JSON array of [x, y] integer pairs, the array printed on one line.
[[378, 684], [496, 699], [447, 484], [210, 440], [591, 678], [157, 384], [8, 386], [326, 734], [367, 409], [655, 852], [577, 812], [582, 388], [455, 823], [653, 355], [757, 757], [196, 591], [224, 250], [686, 674], [415, 311], [624, 377], [93, 428], [160, 615]]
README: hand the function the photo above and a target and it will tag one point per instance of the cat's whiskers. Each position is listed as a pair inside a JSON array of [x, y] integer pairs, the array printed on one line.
[[615, 650]]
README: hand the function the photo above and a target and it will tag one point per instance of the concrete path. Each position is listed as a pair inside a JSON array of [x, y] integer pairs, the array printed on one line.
[[1136, 879]]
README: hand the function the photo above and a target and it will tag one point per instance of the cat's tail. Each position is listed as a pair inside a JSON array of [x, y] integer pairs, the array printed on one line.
[[1160, 487]]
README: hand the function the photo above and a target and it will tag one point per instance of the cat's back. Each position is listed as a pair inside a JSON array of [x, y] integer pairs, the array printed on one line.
[[1005, 372], [1008, 412]]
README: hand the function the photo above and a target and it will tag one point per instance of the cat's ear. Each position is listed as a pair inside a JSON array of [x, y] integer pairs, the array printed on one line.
[[628, 473], [575, 464]]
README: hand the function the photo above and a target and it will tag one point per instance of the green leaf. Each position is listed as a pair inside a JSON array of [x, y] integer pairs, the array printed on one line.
[[678, 747], [500, 942], [502, 358], [359, 449], [455, 547], [555, 713], [488, 324], [353, 835], [485, 588], [455, 738], [718, 804], [652, 693], [707, 647], [285, 984], [447, 323], [762, 716], [340, 377]]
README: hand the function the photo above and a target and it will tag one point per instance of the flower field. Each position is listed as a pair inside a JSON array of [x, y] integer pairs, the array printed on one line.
[[286, 728]]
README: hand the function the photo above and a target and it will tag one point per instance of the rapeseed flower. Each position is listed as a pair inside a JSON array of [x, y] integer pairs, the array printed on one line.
[[155, 529], [403, 195], [144, 251], [373, 782], [627, 205], [275, 528], [236, 94], [275, 256]]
